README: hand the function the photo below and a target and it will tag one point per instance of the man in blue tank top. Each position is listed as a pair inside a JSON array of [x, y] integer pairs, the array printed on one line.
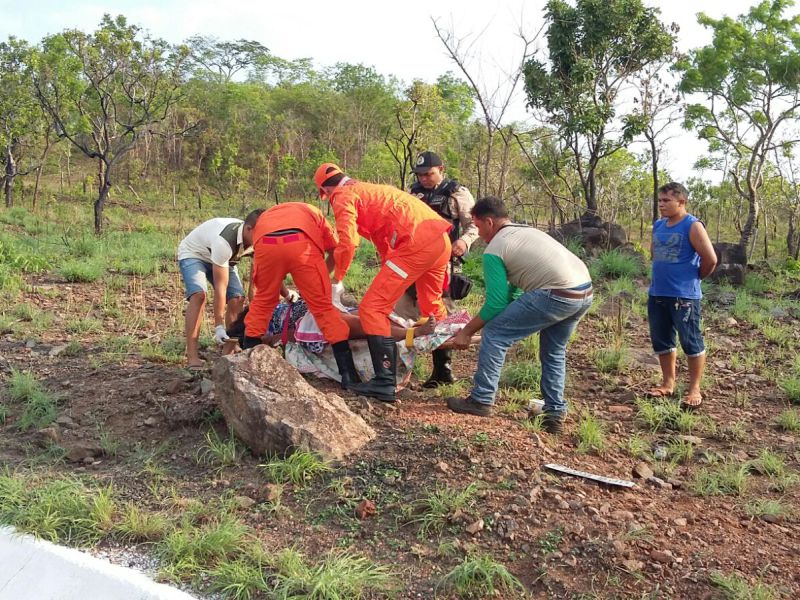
[[682, 256]]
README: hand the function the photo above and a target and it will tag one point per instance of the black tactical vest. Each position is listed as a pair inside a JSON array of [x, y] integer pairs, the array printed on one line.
[[439, 200]]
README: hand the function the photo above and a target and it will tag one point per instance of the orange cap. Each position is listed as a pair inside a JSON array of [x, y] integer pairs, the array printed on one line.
[[324, 172]]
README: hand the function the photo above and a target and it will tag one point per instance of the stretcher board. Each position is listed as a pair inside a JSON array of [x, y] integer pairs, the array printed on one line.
[[600, 478]]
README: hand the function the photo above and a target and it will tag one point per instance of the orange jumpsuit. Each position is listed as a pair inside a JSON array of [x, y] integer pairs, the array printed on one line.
[[299, 250], [411, 239]]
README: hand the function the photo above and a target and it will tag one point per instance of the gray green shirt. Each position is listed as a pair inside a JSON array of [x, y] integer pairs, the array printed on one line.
[[520, 259]]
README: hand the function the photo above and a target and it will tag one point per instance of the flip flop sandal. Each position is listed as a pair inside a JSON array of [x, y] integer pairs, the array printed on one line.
[[659, 393], [692, 406], [196, 368]]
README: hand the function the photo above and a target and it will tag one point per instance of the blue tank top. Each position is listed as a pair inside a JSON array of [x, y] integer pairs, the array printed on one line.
[[676, 266]]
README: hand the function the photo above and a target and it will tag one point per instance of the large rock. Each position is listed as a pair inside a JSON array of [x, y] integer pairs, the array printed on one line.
[[731, 263], [594, 234], [273, 409]]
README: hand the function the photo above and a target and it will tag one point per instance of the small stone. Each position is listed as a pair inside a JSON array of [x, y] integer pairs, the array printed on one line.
[[571, 561], [474, 528], [442, 467], [562, 504], [66, 422], [83, 450], [620, 409], [244, 502], [633, 565], [691, 439], [642, 470], [662, 556], [175, 386], [30, 343], [680, 522], [619, 547], [50, 434], [365, 509], [659, 483], [206, 385], [522, 501], [622, 515], [150, 421], [731, 322], [57, 350], [271, 492]]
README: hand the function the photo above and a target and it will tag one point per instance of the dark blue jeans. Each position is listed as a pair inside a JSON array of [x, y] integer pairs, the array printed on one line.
[[555, 318]]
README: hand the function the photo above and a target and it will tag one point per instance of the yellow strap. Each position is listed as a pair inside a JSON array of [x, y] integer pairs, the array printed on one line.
[[410, 338], [422, 321]]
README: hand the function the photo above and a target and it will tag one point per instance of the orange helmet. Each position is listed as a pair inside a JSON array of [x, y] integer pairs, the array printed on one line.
[[323, 172]]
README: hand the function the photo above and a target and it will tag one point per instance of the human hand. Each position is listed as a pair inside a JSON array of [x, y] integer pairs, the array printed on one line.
[[292, 296], [220, 335], [461, 340], [337, 289], [459, 248]]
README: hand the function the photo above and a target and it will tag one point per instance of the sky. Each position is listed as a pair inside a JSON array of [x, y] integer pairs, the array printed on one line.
[[397, 38]]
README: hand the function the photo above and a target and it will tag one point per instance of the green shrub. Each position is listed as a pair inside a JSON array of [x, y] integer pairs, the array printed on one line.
[[522, 375], [481, 577], [615, 263], [76, 271]]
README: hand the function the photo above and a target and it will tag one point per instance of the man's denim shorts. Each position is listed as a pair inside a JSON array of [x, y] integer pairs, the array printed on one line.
[[198, 273], [667, 316]]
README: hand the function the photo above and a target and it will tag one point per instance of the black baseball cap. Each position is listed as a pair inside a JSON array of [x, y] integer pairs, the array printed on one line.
[[426, 161]]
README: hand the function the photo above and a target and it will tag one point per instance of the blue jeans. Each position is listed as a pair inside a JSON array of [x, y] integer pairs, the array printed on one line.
[[555, 318], [197, 273]]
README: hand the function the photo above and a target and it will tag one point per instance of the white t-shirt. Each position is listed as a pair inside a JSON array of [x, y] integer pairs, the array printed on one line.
[[206, 243]]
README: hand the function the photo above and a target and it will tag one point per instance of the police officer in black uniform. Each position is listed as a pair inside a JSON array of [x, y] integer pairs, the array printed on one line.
[[453, 202]]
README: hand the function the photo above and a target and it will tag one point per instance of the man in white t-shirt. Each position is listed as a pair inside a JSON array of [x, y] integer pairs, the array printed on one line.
[[210, 253]]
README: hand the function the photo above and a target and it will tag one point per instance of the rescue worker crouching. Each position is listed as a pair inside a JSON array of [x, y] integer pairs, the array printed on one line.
[[291, 238]]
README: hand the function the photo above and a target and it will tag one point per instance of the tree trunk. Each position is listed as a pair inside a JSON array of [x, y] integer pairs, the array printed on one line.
[[654, 168], [40, 168], [750, 224], [99, 205], [10, 174]]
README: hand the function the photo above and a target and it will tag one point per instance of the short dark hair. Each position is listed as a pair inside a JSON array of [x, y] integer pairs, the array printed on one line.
[[252, 217], [333, 180], [675, 189], [490, 206]]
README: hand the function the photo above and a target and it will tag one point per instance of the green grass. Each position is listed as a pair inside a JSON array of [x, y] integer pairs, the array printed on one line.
[[339, 576], [613, 264], [188, 549], [522, 375], [240, 579], [789, 420], [480, 577], [138, 525], [433, 511], [777, 334], [680, 451], [84, 325], [724, 479], [768, 463], [791, 387], [660, 415], [765, 507], [62, 510], [591, 434], [3, 414], [40, 406], [735, 587], [220, 452], [635, 445], [612, 359], [82, 271], [297, 468], [169, 350]]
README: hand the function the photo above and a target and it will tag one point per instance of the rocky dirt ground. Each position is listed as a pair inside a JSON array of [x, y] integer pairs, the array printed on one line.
[[140, 424]]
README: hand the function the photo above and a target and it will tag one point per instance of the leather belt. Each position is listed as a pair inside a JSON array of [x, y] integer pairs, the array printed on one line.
[[572, 294]]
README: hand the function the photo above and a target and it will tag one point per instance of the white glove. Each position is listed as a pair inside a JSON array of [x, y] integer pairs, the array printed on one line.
[[220, 335], [292, 297], [337, 289]]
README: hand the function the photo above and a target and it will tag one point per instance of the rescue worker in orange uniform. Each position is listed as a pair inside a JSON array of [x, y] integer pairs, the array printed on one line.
[[293, 238], [414, 247]]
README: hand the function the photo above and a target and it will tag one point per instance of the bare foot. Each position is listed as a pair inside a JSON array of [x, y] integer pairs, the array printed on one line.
[[692, 401], [196, 364]]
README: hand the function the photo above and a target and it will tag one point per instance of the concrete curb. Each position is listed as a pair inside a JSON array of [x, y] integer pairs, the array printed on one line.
[[32, 569]]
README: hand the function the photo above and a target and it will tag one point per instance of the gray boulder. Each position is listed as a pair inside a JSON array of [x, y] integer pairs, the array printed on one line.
[[594, 234], [731, 263], [272, 409]]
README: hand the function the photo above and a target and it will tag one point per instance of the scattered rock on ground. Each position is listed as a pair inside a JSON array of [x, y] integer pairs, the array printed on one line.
[[642, 470], [365, 509]]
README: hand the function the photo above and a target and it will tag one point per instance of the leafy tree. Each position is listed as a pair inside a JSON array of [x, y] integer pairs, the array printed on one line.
[[104, 90], [19, 112], [595, 48], [220, 61], [750, 77]]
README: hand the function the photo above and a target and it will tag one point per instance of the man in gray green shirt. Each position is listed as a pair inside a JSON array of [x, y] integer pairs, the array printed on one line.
[[533, 284]]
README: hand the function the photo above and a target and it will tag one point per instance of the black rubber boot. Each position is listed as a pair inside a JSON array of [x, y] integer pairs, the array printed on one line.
[[442, 369], [384, 360], [344, 361], [250, 342]]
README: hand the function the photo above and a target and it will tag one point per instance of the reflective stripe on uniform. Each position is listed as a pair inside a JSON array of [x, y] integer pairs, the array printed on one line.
[[396, 269]]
